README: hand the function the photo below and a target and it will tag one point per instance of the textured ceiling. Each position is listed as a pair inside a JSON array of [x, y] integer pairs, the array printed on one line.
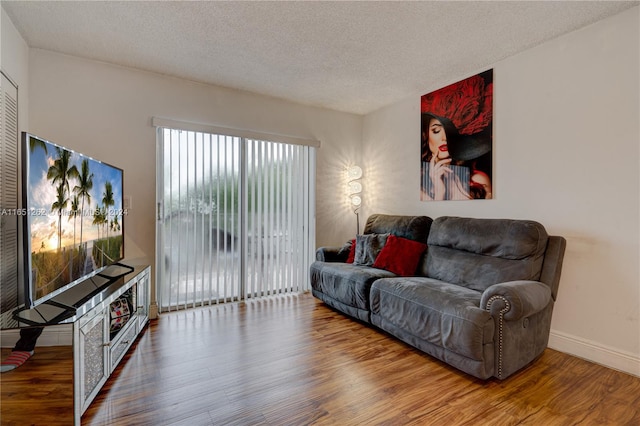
[[348, 56]]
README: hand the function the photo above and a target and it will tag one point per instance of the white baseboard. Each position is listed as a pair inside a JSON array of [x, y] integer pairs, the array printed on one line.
[[55, 335], [595, 352]]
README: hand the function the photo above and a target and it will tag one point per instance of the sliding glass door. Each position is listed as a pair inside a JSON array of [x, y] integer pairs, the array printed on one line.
[[235, 218], [277, 222]]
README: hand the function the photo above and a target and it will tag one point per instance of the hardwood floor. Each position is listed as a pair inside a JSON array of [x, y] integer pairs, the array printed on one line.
[[291, 360], [39, 392]]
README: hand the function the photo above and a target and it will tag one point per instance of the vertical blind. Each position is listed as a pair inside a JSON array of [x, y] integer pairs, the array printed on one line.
[[235, 218]]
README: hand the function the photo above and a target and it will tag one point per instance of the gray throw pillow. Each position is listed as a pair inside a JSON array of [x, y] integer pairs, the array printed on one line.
[[368, 247]]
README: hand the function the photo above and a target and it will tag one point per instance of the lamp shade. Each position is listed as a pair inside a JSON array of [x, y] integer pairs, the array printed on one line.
[[355, 187], [354, 172]]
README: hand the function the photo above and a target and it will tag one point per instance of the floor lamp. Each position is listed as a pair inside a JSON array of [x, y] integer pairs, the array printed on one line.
[[354, 174]]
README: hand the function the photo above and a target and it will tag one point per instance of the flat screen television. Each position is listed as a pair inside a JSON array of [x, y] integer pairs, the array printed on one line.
[[73, 218]]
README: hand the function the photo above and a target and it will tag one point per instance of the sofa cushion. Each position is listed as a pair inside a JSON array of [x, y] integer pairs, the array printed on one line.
[[443, 314], [368, 247], [477, 253], [400, 256], [345, 283]]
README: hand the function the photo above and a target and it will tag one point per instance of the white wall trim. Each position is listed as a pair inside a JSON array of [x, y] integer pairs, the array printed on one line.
[[55, 335], [595, 352]]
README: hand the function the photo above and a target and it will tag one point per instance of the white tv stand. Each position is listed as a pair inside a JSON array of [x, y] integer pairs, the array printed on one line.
[[104, 325], [101, 338]]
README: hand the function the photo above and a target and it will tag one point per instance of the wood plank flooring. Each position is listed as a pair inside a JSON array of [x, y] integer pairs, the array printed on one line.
[[291, 360], [39, 392]]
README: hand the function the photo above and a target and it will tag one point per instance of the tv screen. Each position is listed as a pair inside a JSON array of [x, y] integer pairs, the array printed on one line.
[[73, 217]]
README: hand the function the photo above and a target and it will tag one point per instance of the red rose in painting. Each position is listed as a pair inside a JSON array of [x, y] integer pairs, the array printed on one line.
[[468, 104]]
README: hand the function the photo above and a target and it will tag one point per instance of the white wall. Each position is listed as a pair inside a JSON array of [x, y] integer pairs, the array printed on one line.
[[566, 153], [105, 111], [14, 61]]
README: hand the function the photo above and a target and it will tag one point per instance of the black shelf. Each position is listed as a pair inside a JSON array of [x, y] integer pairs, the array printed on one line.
[[66, 304]]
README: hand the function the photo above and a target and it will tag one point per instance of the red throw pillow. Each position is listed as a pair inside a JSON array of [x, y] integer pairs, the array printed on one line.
[[400, 256], [352, 252]]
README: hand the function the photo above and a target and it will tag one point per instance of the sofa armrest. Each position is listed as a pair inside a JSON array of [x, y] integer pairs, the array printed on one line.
[[515, 299], [334, 254], [331, 254]]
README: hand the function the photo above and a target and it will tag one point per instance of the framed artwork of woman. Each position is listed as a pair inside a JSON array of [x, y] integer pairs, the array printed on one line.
[[457, 141]]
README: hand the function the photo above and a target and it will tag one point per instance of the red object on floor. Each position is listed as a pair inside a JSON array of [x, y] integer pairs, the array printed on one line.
[[15, 360]]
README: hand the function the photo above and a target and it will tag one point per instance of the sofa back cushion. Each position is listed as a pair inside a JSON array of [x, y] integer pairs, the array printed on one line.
[[411, 227], [477, 253]]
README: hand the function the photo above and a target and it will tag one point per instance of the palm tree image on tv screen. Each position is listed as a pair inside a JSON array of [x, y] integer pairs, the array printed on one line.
[[74, 215]]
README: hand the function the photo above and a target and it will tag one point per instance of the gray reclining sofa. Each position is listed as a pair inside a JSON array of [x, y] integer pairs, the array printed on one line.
[[480, 299]]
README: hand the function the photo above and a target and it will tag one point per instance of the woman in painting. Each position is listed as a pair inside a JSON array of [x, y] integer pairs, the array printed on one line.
[[456, 140], [449, 161]]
